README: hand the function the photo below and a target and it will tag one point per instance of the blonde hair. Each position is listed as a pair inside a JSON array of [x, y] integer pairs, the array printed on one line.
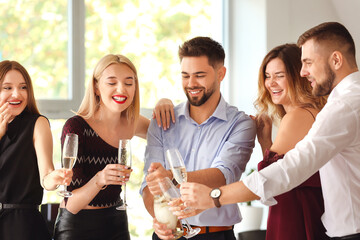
[[91, 102]]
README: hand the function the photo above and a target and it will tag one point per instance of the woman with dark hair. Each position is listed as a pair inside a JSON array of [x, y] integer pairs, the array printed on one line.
[[285, 96], [26, 165]]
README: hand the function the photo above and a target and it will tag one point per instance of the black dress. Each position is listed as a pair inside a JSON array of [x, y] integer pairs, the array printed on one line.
[[19, 181]]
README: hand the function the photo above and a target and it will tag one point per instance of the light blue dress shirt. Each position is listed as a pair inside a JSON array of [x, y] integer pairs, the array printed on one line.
[[224, 141]]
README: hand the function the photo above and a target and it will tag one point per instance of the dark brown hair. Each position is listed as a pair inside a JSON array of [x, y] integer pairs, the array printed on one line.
[[332, 34], [203, 46], [5, 67]]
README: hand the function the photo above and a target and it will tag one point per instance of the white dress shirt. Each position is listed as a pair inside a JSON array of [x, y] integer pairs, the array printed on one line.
[[333, 146]]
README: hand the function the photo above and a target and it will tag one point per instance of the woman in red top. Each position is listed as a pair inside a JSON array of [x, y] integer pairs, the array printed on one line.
[[285, 97]]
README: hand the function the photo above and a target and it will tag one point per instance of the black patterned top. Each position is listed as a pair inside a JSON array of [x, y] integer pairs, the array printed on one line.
[[93, 155]]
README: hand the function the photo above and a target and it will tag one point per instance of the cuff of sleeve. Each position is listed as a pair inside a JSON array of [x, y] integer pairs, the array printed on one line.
[[143, 185], [256, 183]]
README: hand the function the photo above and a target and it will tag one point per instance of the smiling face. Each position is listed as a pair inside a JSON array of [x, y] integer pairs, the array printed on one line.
[[14, 91], [276, 82], [316, 68], [116, 87], [199, 79]]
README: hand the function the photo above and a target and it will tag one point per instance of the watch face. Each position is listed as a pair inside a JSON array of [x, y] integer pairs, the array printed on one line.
[[215, 193]]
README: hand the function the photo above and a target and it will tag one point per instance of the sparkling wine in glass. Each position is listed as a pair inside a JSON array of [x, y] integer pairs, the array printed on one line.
[[170, 192], [69, 155], [177, 165], [165, 216], [124, 158]]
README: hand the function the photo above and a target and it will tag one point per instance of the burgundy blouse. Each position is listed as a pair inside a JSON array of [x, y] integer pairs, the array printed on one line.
[[297, 215], [93, 155]]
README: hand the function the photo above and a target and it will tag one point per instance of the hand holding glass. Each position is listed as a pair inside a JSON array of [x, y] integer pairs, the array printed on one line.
[[170, 192], [69, 155], [124, 158]]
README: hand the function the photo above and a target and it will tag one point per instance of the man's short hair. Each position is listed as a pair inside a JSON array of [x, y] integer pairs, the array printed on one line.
[[330, 32], [203, 46]]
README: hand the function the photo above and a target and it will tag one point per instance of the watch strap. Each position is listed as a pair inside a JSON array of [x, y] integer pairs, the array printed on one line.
[[175, 182], [217, 202]]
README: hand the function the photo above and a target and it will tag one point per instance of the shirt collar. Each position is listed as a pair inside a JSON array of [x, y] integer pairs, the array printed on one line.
[[220, 111], [345, 83]]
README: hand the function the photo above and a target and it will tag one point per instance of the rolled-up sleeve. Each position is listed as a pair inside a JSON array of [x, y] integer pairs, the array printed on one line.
[[154, 150], [237, 149]]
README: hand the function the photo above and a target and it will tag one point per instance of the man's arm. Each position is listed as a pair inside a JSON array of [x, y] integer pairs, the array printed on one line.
[[198, 195], [148, 199], [211, 177]]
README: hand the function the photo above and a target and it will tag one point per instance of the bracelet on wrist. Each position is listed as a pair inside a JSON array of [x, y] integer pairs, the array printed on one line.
[[43, 181], [101, 187]]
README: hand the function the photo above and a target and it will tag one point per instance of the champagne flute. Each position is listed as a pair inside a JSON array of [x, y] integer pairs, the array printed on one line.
[[69, 155], [170, 192], [124, 158], [177, 165]]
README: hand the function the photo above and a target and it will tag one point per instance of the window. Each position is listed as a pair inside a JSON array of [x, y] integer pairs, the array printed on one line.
[[59, 42]]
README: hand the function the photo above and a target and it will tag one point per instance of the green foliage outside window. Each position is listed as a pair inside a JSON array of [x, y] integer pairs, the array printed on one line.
[[149, 32]]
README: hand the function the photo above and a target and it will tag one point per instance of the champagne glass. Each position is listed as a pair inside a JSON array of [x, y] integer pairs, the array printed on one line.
[[170, 192], [69, 155], [177, 165], [124, 158], [165, 216]]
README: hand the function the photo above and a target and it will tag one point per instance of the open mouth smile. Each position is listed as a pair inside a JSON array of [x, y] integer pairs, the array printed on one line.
[[14, 102], [276, 92], [119, 99]]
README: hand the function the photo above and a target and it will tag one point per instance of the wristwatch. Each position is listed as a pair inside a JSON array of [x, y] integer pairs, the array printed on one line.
[[175, 182], [215, 195]]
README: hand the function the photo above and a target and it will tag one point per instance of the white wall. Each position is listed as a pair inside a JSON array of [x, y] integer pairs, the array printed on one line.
[[256, 26]]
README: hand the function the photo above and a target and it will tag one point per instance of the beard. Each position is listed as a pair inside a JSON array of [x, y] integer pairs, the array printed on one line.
[[324, 88], [198, 101]]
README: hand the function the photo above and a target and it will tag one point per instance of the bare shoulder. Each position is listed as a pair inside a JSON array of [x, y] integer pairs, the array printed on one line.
[[293, 127], [299, 117], [42, 128], [143, 120], [42, 123]]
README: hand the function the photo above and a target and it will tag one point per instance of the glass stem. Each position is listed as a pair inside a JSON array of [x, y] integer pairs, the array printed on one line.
[[124, 194]]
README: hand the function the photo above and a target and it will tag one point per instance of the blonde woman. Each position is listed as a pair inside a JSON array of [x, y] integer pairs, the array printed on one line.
[[108, 112]]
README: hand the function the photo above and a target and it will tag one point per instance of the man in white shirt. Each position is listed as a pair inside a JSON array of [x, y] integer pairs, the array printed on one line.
[[331, 146]]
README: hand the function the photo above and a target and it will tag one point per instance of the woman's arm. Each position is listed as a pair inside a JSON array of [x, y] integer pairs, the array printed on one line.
[[49, 178], [163, 111], [293, 127], [112, 174], [263, 131], [142, 126], [4, 118]]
